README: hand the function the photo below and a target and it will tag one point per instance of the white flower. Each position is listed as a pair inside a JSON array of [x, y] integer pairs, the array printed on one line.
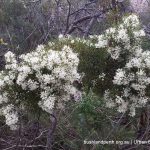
[[111, 31], [24, 69], [102, 42], [132, 111], [123, 107], [102, 76], [132, 20], [2, 83], [46, 79], [47, 103], [32, 85], [134, 62], [40, 48], [60, 36], [3, 98], [126, 92], [139, 33], [9, 57], [11, 116], [119, 100], [122, 35], [21, 78], [120, 77], [109, 102], [72, 41]]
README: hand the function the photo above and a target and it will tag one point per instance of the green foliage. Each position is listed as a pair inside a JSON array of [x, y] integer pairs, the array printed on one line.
[[146, 43], [91, 120]]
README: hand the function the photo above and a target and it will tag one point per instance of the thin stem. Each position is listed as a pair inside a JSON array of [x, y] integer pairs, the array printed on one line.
[[51, 132]]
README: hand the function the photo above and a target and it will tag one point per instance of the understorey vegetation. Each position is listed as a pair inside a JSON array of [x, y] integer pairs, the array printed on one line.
[[101, 81], [74, 88]]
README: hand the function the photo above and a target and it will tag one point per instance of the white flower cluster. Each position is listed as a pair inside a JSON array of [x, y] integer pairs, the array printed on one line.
[[75, 40], [118, 40], [133, 79], [46, 72]]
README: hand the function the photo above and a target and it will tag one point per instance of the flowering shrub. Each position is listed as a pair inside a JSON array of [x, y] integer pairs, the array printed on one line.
[[124, 73], [126, 68], [131, 81], [45, 78], [42, 78]]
